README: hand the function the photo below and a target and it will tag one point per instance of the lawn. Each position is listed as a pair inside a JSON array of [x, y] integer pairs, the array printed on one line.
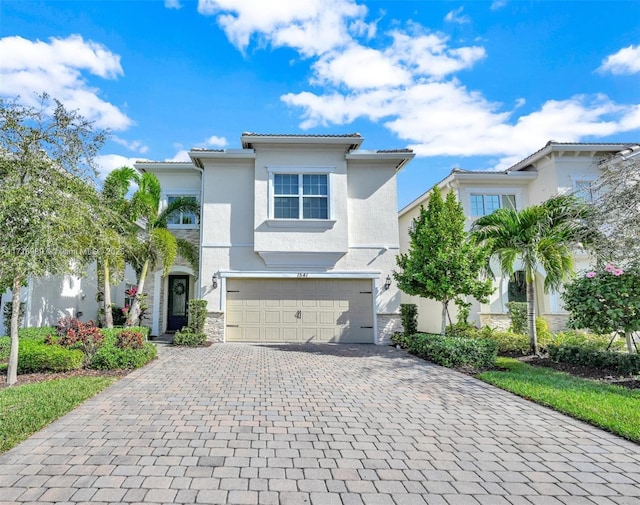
[[29, 408], [612, 408]]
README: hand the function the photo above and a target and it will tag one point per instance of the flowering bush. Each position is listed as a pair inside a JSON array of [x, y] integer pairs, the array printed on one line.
[[74, 334], [129, 339], [605, 300]]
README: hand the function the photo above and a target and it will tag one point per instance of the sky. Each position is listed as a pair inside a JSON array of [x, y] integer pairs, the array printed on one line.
[[477, 85]]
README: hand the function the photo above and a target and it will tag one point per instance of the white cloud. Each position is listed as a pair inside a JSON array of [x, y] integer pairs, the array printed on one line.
[[172, 4], [28, 68], [456, 16], [310, 26], [498, 4], [182, 155], [133, 145], [624, 62], [109, 162], [215, 141]]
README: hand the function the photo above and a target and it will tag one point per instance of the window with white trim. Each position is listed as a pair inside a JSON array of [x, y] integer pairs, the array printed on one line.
[[482, 205], [178, 219], [300, 196], [583, 189]]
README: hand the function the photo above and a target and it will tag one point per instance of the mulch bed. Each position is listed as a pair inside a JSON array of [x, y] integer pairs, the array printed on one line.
[[31, 378], [597, 374]]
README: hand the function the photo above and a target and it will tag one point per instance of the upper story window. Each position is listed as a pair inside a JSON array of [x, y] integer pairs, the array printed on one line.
[[300, 196], [583, 189], [482, 205], [182, 219]]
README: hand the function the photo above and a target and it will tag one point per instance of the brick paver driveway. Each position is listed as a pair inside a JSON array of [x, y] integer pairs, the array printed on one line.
[[323, 425]]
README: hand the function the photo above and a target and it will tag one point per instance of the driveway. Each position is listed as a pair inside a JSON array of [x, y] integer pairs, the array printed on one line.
[[321, 425]]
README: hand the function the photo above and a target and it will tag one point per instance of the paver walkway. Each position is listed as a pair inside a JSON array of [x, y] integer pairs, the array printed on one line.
[[320, 425]]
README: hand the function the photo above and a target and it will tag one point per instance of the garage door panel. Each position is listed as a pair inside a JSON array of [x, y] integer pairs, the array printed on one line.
[[299, 310]]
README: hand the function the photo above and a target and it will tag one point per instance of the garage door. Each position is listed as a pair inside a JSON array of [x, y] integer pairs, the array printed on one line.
[[299, 310]]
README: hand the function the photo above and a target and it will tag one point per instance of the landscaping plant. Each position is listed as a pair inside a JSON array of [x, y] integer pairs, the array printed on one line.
[[193, 334], [606, 300]]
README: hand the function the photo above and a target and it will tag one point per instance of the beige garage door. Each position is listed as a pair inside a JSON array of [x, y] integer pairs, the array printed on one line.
[[299, 310]]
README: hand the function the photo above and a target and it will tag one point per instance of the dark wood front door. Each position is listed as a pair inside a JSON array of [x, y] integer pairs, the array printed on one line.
[[178, 298]]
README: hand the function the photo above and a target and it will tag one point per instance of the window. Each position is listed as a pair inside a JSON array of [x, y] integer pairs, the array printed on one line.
[[481, 205], [181, 218], [517, 289], [583, 189], [300, 196]]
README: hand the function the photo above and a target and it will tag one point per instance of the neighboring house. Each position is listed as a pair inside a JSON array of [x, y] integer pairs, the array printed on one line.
[[557, 168], [298, 236]]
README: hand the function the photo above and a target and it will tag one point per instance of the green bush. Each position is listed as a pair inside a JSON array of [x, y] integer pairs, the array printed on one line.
[[454, 351], [6, 315], [399, 338], [5, 347], [622, 363], [188, 338], [409, 317], [518, 314], [37, 357], [197, 315], [37, 334], [110, 356], [586, 339]]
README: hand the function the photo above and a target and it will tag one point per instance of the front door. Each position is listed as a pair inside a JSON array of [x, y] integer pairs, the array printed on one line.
[[178, 298]]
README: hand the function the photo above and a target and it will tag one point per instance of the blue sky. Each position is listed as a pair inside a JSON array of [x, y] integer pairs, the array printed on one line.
[[476, 84]]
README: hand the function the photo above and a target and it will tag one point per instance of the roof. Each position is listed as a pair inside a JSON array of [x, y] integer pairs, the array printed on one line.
[[351, 140], [552, 145]]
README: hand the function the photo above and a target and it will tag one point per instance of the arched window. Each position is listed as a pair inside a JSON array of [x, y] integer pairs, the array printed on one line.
[[517, 290]]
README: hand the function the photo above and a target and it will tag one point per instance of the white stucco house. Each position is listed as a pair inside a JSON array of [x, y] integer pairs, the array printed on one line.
[[557, 168]]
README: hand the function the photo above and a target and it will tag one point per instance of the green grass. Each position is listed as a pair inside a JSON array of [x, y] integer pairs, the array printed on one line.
[[29, 408], [612, 408]]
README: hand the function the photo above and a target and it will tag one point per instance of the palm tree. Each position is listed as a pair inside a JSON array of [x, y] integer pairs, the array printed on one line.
[[157, 245], [541, 235], [118, 229]]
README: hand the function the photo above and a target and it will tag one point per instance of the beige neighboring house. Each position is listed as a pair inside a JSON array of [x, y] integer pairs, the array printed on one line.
[[298, 237], [557, 168]]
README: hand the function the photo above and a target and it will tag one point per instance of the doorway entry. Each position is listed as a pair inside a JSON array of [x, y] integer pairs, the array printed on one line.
[[178, 299]]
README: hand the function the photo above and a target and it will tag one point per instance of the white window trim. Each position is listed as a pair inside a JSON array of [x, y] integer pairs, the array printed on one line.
[[292, 223], [575, 179], [177, 193], [491, 192]]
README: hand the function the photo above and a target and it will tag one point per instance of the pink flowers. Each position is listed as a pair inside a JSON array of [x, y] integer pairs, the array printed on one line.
[[591, 274], [131, 292], [617, 271], [609, 268]]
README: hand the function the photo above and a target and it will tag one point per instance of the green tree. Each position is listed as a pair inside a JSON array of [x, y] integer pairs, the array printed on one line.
[[117, 232], [442, 263], [47, 197], [156, 245], [606, 300], [539, 236]]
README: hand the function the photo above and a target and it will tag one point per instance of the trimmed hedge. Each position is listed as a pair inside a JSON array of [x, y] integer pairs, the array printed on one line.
[[110, 356], [188, 338], [38, 334], [453, 351], [35, 357], [622, 363]]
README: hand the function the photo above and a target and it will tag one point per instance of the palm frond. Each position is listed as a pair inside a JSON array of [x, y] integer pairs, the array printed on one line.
[[189, 252], [177, 206], [166, 247]]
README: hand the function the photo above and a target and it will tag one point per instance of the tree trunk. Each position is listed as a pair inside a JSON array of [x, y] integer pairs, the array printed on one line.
[[133, 318], [629, 338], [108, 313], [531, 316], [443, 329], [12, 368]]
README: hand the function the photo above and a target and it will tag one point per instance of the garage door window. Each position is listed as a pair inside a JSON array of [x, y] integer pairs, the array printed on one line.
[[301, 196]]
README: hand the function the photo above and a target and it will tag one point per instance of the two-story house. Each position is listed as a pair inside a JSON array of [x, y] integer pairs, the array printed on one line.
[[297, 236], [557, 168]]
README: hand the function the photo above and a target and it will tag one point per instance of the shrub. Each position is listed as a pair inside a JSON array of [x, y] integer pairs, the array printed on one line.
[[38, 334], [585, 339], [83, 336], [399, 338], [128, 339], [118, 313], [461, 329], [454, 351], [624, 364], [110, 356], [518, 314], [188, 338], [197, 315], [5, 347], [37, 357], [542, 330], [409, 317], [6, 315]]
